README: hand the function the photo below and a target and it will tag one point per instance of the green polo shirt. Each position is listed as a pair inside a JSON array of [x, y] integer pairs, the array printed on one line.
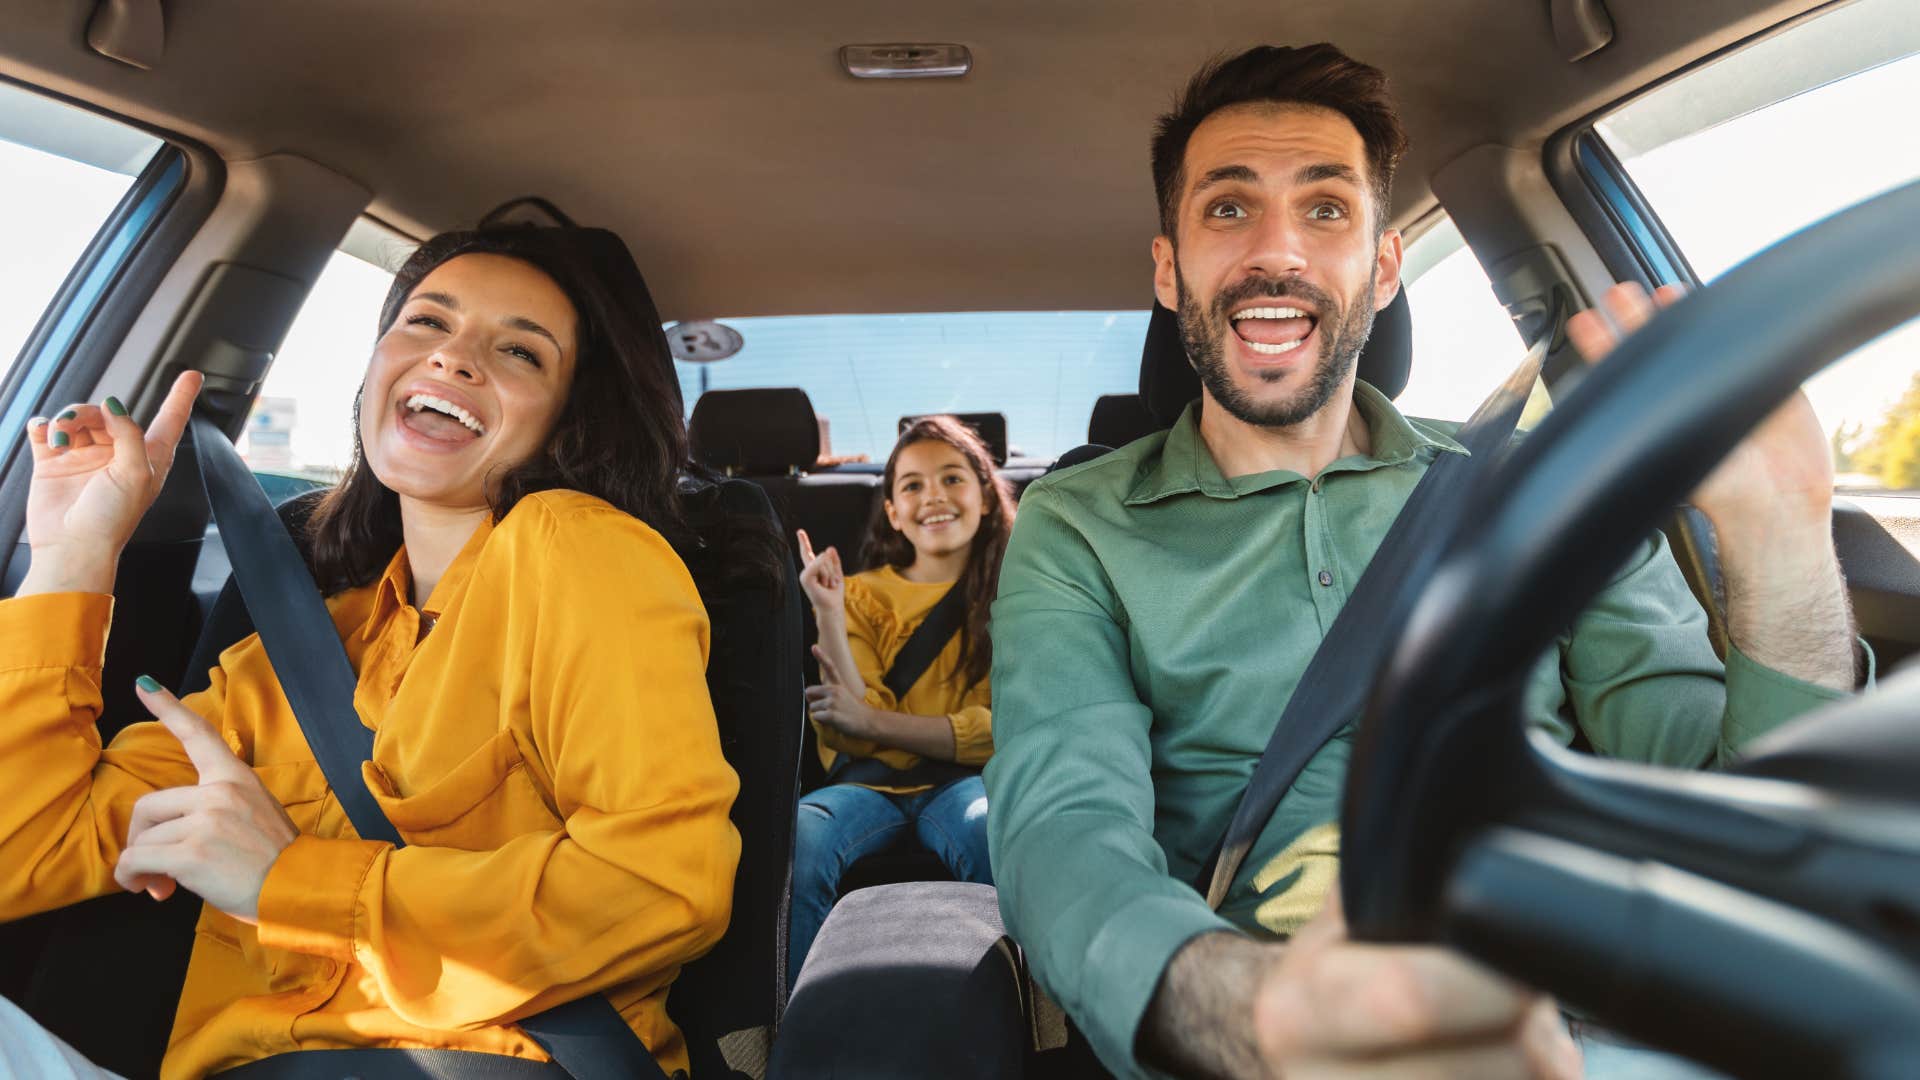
[[1153, 617]]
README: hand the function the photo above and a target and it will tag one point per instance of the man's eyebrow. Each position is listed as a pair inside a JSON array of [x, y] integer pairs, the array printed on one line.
[[1225, 174], [1331, 170]]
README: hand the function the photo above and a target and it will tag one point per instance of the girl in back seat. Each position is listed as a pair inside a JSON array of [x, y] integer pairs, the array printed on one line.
[[902, 708], [502, 565]]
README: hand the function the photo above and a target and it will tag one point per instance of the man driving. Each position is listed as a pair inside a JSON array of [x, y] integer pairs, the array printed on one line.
[[1159, 604]]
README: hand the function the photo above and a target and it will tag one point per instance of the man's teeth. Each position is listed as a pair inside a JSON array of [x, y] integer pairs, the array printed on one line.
[[1273, 350], [1269, 313], [442, 405]]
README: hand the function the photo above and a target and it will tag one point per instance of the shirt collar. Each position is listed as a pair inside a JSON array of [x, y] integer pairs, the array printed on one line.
[[1185, 465], [395, 587]]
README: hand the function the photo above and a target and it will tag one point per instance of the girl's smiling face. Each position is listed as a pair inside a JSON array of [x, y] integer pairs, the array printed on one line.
[[936, 501], [468, 381]]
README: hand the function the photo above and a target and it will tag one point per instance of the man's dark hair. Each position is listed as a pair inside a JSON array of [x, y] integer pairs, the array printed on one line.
[[1282, 75]]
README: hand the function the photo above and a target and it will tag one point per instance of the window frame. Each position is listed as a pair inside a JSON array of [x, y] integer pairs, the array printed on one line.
[[1618, 219], [1603, 199], [104, 293]]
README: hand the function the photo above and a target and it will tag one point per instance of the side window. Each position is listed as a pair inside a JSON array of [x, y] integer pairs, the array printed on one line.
[[62, 172], [1738, 154], [1464, 343], [301, 429]]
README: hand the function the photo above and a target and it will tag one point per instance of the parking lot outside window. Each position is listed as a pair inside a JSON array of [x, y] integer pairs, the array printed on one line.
[[62, 172], [1740, 153]]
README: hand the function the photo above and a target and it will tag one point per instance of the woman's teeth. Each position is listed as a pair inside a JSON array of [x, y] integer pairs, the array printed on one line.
[[938, 519], [441, 405]]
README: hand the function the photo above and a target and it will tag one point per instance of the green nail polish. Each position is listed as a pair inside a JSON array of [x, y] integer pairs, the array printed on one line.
[[114, 407], [69, 414], [58, 440], [148, 683]]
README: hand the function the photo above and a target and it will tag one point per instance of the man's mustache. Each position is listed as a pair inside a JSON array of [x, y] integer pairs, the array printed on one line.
[[1274, 288]]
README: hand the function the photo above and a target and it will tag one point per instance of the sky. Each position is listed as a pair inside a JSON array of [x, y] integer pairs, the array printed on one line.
[[1723, 193]]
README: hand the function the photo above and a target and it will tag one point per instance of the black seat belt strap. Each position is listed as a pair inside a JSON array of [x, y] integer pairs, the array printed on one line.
[[1333, 689], [586, 1037], [924, 645]]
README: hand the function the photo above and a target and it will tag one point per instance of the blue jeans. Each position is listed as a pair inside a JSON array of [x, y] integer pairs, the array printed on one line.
[[843, 823]]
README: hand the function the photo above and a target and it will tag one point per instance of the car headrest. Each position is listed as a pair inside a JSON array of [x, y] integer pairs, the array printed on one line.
[[760, 430], [990, 426], [1118, 419], [1168, 382]]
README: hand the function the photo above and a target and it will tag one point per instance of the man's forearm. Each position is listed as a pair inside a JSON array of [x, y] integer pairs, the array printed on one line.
[[1787, 602], [1200, 1022]]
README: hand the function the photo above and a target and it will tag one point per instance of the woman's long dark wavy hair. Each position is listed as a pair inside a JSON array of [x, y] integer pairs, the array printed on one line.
[[620, 436], [981, 579]]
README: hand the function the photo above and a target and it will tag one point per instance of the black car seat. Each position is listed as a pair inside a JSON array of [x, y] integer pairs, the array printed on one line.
[[112, 970], [770, 436], [1118, 419]]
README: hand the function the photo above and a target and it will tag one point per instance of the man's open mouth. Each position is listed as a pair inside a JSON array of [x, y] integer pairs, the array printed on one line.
[[1273, 330], [439, 418]]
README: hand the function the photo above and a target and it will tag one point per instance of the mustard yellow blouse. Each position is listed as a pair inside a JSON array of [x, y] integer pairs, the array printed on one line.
[[883, 610], [548, 751]]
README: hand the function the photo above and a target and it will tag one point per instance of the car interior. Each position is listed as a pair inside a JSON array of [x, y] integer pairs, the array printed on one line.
[[756, 168]]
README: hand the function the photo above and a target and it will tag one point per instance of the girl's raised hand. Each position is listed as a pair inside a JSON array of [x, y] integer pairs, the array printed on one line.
[[95, 473], [822, 579]]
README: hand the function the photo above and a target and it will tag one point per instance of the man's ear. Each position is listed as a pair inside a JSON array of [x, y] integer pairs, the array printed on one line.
[[1166, 282], [1386, 269]]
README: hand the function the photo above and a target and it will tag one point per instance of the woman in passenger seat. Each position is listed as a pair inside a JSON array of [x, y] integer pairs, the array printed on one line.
[[501, 567], [904, 759]]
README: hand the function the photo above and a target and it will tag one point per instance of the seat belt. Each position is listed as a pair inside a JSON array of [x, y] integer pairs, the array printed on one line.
[[586, 1037], [924, 645], [920, 650], [1333, 689]]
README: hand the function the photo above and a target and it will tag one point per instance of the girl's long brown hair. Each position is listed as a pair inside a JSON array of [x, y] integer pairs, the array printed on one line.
[[620, 436], [981, 579]]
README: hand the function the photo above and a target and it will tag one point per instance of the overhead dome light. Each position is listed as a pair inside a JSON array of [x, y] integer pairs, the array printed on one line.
[[906, 61]]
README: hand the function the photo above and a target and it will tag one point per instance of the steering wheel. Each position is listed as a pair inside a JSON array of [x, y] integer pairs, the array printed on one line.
[[1766, 920]]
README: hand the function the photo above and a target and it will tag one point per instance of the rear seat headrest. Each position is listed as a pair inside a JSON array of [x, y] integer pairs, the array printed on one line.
[[990, 426], [1168, 382], [760, 430], [1118, 419]]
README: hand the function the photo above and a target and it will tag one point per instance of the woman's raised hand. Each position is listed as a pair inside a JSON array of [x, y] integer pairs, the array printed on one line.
[[95, 472], [822, 579]]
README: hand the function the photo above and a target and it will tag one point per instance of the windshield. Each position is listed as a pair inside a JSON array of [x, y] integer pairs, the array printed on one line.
[[864, 372]]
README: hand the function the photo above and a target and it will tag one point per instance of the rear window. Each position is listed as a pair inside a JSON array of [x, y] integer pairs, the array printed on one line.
[[864, 372]]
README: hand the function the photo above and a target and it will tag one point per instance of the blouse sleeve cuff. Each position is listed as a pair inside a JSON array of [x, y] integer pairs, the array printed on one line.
[[308, 902], [972, 735], [54, 630]]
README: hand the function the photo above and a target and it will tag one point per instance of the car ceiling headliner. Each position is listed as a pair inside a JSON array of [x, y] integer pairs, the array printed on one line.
[[752, 176]]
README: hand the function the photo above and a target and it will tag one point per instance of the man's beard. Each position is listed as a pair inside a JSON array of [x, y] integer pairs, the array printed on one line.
[[1343, 333]]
